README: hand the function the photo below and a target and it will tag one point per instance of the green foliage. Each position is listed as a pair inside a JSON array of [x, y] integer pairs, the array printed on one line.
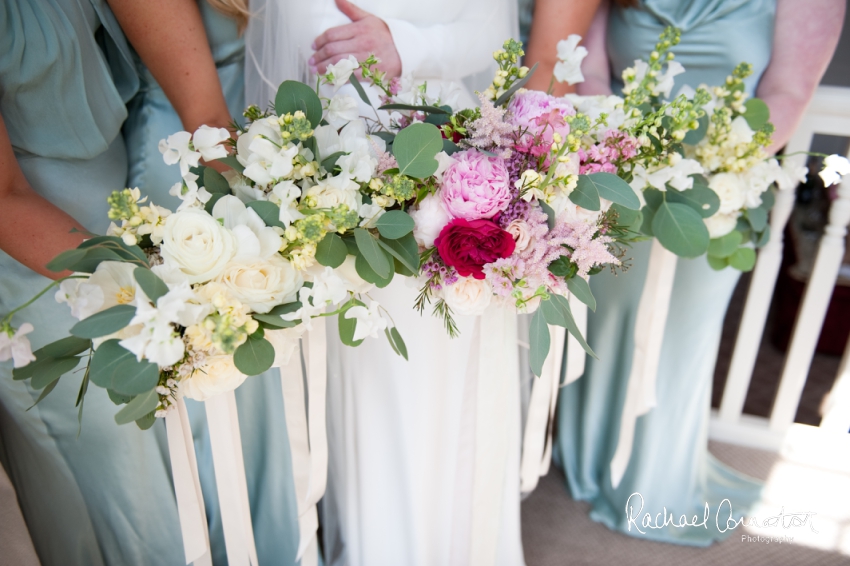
[[64, 348], [581, 290], [138, 407], [105, 322], [415, 148], [255, 355], [405, 250], [52, 369], [88, 255], [347, 326], [693, 137], [355, 82], [744, 259], [585, 194], [680, 229], [394, 224], [611, 187], [293, 96], [150, 283], [515, 87], [756, 113], [539, 339], [214, 182], [550, 214], [331, 251], [757, 217], [563, 267], [415, 108], [372, 253], [365, 271], [726, 245], [114, 367], [269, 212], [233, 163], [329, 162], [396, 342], [567, 321], [700, 198]]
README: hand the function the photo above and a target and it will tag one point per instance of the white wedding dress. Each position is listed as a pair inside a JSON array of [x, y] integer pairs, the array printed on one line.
[[423, 454]]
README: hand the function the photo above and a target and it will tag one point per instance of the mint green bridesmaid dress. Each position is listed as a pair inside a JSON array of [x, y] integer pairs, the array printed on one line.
[[262, 421], [92, 493], [670, 465]]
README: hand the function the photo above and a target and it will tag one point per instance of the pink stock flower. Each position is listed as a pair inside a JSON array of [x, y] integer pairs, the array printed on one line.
[[475, 186], [541, 115], [606, 155]]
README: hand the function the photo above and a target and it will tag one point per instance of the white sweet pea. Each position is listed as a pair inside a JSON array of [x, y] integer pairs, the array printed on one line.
[[84, 300], [189, 192], [369, 320], [570, 56], [340, 72], [370, 213], [328, 287], [241, 187], [334, 191], [175, 149], [208, 142], [341, 110], [677, 175], [286, 195], [595, 106], [666, 79], [269, 162], [358, 165], [789, 176], [307, 311], [429, 217], [835, 167], [16, 346]]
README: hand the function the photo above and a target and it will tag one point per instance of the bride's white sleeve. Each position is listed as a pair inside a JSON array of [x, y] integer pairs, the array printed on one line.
[[457, 49]]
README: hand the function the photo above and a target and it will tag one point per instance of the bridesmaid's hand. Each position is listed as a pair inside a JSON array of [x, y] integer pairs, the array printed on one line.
[[366, 35]]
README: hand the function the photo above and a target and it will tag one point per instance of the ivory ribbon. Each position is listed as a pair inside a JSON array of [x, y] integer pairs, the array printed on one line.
[[187, 486], [648, 338], [307, 436], [495, 390], [230, 480]]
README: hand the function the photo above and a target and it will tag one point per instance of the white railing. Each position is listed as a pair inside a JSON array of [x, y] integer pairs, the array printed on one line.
[[828, 113]]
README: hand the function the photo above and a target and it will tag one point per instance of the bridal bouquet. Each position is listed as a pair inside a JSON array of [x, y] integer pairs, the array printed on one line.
[[193, 301], [516, 202]]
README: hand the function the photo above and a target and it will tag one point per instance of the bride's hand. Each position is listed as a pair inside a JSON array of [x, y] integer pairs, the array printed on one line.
[[367, 34]]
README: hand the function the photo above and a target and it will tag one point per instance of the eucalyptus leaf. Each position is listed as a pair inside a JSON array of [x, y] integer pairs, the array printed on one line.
[[372, 253], [285, 309], [539, 340], [563, 267], [293, 96], [725, 246], [214, 182], [365, 271], [702, 199], [151, 284], [585, 194], [625, 216], [744, 259], [401, 250], [329, 162], [118, 398], [395, 224], [127, 252], [653, 197], [47, 390], [233, 163], [757, 218], [717, 263], [399, 342], [273, 322], [140, 406], [515, 87], [415, 148], [355, 82], [105, 322], [648, 215], [564, 305], [414, 108], [146, 421], [66, 260], [390, 340], [331, 251], [680, 229], [581, 290], [613, 188], [764, 237], [114, 367], [768, 199], [254, 356], [347, 326], [450, 147], [62, 348], [756, 113], [550, 214], [51, 370]]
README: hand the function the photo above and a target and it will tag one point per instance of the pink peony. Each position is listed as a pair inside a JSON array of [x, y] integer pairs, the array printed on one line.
[[540, 115], [476, 186]]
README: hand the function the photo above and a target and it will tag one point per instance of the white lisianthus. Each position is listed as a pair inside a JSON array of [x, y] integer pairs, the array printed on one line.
[[721, 224], [570, 56], [208, 142], [16, 346], [369, 320], [835, 167], [731, 190], [334, 191], [261, 284], [348, 272], [251, 235], [430, 217], [339, 72], [286, 195], [341, 110], [197, 244], [468, 296], [175, 149], [218, 375]]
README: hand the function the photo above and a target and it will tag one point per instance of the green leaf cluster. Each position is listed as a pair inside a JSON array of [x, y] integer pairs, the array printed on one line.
[[590, 188]]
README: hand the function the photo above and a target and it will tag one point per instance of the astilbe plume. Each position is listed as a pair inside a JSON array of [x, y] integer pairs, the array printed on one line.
[[490, 131]]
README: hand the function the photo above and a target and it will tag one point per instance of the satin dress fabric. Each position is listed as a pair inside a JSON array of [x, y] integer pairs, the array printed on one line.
[[262, 421], [670, 466], [91, 492]]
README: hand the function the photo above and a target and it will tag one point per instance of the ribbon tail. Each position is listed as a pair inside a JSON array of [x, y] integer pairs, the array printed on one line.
[[187, 486], [576, 356]]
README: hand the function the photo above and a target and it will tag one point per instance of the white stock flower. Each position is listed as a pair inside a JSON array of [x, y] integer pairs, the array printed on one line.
[[218, 375], [189, 192], [341, 71], [429, 217], [175, 149], [731, 190], [369, 320], [835, 167], [341, 110], [570, 56], [468, 296], [251, 236], [17, 347], [197, 244], [666, 79], [208, 142], [261, 284], [721, 224]]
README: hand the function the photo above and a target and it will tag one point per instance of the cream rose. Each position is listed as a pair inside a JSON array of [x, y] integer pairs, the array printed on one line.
[[197, 244], [262, 284], [468, 296], [721, 224], [731, 189], [217, 375], [520, 230]]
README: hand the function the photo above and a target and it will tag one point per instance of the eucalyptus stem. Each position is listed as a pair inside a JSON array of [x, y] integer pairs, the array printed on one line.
[[8, 318]]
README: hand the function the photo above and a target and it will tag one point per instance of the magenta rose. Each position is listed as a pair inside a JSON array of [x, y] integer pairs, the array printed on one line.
[[469, 245], [476, 186], [541, 115]]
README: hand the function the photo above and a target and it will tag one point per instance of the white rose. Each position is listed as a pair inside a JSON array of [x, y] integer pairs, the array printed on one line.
[[721, 224], [217, 375], [348, 272], [430, 217], [197, 244], [334, 191], [731, 189], [468, 296], [262, 284], [521, 232]]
